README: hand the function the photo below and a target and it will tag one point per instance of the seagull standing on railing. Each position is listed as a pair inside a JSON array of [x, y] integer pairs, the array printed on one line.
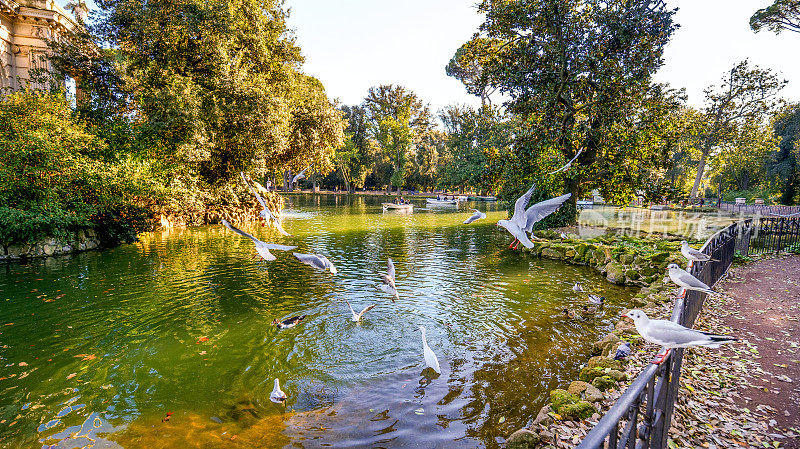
[[687, 281], [693, 254], [672, 335], [262, 248]]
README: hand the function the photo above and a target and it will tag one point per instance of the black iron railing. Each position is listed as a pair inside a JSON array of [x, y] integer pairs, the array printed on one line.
[[760, 209], [773, 235], [641, 416]]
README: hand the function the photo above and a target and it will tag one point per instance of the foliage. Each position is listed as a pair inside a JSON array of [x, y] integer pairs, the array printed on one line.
[[54, 179], [779, 16], [467, 66], [743, 99], [578, 74], [784, 164], [742, 159]]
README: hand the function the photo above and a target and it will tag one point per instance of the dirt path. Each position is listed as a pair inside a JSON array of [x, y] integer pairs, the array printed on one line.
[[747, 394]]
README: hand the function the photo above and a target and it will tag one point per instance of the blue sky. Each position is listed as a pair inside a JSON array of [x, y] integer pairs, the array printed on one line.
[[351, 45]]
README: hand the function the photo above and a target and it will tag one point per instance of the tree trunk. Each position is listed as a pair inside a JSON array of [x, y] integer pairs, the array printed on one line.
[[700, 168], [287, 178]]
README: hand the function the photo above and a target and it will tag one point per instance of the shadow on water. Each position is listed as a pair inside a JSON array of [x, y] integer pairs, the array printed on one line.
[[96, 349]]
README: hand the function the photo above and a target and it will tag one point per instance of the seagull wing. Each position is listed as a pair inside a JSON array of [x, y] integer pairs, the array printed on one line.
[[540, 210], [258, 197], [390, 270], [476, 216], [697, 254], [310, 259], [691, 281], [240, 232], [673, 335], [279, 247], [519, 207], [568, 164], [366, 309], [279, 227]]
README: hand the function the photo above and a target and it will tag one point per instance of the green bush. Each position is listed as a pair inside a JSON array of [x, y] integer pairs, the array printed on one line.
[[50, 182]]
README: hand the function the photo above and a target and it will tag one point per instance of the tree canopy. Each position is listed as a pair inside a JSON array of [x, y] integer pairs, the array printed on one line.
[[779, 16]]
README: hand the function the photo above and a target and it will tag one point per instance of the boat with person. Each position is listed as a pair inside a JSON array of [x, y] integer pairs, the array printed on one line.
[[399, 207]]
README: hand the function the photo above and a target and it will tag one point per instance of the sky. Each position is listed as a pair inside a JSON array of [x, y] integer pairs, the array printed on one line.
[[352, 45]]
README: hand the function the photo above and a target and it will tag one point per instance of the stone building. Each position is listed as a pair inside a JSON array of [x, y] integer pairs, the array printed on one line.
[[25, 25]]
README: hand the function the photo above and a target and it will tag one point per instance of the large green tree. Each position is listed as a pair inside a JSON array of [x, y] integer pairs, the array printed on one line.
[[786, 161], [398, 122], [779, 16], [745, 98], [578, 75]]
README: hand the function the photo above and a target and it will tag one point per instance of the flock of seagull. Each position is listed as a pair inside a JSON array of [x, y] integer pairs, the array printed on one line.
[[664, 333]]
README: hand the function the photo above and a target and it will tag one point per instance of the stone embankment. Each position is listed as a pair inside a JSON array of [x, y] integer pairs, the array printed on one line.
[[81, 240]]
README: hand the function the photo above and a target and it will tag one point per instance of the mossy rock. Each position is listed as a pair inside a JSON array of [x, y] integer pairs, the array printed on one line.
[[560, 398], [551, 253], [523, 439], [632, 274], [604, 383], [581, 249], [604, 362], [570, 253], [580, 410], [648, 279], [589, 374], [598, 256], [626, 259], [577, 387], [615, 273], [648, 271], [638, 301], [617, 375], [658, 258]]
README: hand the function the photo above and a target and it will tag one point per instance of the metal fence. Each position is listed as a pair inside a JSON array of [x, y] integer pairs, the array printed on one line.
[[774, 234], [760, 209], [641, 417]]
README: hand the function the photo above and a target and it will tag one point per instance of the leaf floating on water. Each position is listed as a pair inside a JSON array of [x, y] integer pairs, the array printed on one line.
[[71, 375], [86, 356], [201, 339], [22, 364], [420, 411], [501, 420]]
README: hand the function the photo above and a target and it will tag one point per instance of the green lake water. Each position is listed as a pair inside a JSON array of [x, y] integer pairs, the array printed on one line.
[[97, 348]]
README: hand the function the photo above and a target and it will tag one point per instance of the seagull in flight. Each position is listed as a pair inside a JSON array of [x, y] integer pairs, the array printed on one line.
[[672, 335], [262, 248], [388, 281], [317, 261], [265, 214], [478, 215], [568, 164], [523, 219], [357, 316], [300, 175], [687, 281], [693, 254]]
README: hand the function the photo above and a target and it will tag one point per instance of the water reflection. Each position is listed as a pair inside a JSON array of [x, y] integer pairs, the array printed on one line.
[[181, 323], [639, 222]]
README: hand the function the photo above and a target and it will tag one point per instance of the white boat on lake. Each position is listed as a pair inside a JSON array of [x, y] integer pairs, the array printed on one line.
[[435, 202], [398, 207]]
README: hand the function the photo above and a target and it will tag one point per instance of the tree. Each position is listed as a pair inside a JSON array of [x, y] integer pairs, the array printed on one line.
[[398, 120], [578, 74], [216, 86], [473, 138], [467, 65], [742, 159], [353, 156], [779, 16], [785, 161], [745, 97]]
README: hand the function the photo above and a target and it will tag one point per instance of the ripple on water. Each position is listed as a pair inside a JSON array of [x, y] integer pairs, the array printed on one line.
[[181, 322]]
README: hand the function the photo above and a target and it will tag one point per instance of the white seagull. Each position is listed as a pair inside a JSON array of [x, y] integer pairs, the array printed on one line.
[[388, 281], [266, 214], [687, 281], [277, 395], [693, 254], [300, 175], [430, 358], [261, 247], [672, 335], [357, 316], [568, 164], [523, 219], [316, 261], [478, 215]]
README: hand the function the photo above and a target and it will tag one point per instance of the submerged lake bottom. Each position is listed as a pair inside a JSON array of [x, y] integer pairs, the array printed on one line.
[[168, 342]]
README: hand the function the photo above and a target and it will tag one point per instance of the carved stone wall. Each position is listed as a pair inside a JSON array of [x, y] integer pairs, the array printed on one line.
[[25, 26]]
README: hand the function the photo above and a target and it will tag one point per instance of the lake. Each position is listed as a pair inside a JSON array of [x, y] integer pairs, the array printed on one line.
[[97, 348]]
